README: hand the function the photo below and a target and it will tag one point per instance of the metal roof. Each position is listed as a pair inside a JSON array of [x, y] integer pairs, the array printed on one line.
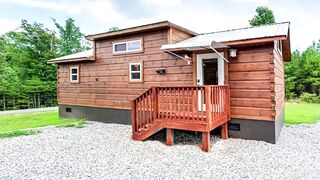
[[204, 40], [139, 29], [84, 55]]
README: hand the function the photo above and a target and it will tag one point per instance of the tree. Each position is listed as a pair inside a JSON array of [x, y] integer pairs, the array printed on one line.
[[303, 72], [264, 16], [24, 55], [113, 29], [71, 38], [26, 80]]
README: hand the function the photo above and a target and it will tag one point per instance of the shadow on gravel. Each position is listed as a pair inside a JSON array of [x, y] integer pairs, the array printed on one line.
[[184, 137]]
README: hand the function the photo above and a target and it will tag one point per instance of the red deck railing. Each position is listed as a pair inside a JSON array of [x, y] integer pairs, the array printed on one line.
[[195, 108]]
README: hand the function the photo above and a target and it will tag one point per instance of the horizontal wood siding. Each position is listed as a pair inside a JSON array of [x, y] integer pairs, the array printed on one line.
[[176, 35], [250, 79], [104, 83], [279, 91]]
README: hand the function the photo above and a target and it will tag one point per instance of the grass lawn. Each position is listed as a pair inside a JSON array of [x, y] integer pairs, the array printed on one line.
[[301, 113], [15, 125]]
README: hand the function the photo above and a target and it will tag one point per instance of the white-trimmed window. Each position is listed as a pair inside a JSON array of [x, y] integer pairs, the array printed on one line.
[[127, 46], [135, 72], [74, 74]]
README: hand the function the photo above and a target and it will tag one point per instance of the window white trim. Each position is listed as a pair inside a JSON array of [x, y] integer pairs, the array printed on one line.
[[126, 43], [130, 72], [72, 74], [221, 62]]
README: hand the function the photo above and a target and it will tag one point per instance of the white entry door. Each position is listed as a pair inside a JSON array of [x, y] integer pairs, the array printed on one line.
[[210, 71]]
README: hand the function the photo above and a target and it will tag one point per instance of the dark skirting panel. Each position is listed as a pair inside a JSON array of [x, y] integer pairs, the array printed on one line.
[[252, 129], [268, 131], [106, 115], [260, 130]]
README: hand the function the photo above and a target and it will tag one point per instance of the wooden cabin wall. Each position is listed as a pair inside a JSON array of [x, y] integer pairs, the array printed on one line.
[[278, 83], [174, 35], [105, 82], [250, 76]]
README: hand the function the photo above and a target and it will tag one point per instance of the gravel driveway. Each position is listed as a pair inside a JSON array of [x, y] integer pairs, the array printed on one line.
[[105, 151], [22, 111]]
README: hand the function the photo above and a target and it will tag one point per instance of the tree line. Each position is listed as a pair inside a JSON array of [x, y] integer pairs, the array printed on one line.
[[302, 74], [26, 80]]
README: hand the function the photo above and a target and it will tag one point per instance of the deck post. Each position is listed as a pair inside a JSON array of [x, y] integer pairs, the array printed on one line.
[[208, 106], [206, 141], [170, 137], [133, 118], [224, 131], [155, 103]]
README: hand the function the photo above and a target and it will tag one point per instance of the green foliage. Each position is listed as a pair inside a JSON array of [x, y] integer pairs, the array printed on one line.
[[74, 123], [26, 80], [302, 73], [113, 29], [18, 133], [264, 16], [301, 113], [310, 98], [71, 38]]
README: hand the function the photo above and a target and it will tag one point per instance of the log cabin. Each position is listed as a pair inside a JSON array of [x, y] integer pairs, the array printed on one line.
[[162, 75]]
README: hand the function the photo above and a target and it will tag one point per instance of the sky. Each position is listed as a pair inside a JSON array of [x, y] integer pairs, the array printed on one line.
[[96, 16]]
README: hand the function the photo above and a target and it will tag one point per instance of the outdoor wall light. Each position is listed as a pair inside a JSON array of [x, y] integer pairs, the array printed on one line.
[[161, 71], [233, 53]]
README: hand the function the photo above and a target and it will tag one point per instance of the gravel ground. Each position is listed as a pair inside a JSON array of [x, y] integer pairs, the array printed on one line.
[[106, 151], [22, 111]]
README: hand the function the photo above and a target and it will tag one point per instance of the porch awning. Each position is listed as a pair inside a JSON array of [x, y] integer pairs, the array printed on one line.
[[194, 44]]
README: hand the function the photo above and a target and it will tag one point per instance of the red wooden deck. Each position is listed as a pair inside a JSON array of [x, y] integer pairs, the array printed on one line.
[[194, 108]]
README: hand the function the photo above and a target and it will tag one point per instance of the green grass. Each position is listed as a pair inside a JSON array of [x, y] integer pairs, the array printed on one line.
[[20, 122], [74, 123], [17, 133], [301, 113]]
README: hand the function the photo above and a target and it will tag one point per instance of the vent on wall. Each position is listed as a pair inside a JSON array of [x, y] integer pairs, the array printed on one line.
[[234, 127], [68, 110]]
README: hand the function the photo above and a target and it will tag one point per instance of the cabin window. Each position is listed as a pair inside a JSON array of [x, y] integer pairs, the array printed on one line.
[[74, 74], [135, 72], [128, 46]]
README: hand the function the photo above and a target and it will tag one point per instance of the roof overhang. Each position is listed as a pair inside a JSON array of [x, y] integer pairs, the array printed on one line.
[[193, 46], [77, 57], [139, 29]]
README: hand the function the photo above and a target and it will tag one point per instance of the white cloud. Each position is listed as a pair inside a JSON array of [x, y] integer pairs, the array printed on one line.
[[204, 16], [164, 2], [8, 25], [259, 2], [46, 5]]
